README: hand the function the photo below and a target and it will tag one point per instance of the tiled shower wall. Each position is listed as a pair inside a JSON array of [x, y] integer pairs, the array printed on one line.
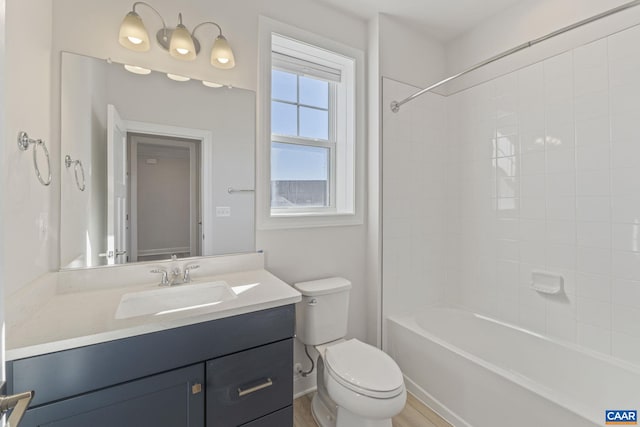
[[543, 173], [536, 170], [413, 206]]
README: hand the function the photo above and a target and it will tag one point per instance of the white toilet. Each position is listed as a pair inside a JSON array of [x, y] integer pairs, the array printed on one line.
[[358, 385]]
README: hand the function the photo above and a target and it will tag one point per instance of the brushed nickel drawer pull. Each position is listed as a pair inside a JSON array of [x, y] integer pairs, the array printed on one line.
[[267, 383]]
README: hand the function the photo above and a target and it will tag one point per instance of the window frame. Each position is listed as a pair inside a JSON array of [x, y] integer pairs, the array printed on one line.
[[350, 171]]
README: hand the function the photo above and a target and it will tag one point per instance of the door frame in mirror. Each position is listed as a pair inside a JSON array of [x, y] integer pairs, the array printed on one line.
[[206, 173]]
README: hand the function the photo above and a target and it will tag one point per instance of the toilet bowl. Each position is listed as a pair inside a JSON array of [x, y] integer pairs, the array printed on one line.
[[358, 385], [364, 382]]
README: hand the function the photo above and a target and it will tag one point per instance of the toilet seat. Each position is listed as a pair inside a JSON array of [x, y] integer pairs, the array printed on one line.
[[364, 369]]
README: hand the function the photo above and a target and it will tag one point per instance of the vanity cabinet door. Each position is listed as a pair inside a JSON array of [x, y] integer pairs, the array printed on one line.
[[245, 386], [171, 399]]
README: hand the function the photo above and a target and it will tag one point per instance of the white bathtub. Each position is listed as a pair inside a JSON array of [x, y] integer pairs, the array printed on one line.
[[476, 371]]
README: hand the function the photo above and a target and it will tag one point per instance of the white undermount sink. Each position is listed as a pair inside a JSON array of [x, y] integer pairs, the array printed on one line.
[[165, 300]]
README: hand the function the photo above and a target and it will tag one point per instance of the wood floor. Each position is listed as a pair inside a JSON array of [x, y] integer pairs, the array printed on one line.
[[414, 414]]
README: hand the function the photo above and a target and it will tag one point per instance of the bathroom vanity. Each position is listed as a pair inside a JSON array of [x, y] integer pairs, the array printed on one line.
[[227, 364]]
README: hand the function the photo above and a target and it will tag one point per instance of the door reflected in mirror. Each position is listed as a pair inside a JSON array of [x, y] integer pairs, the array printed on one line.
[[159, 156], [164, 194]]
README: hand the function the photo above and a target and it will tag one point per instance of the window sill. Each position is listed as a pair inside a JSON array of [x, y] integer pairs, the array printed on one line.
[[308, 220]]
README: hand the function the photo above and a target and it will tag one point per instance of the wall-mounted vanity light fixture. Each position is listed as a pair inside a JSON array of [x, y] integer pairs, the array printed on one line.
[[177, 41]]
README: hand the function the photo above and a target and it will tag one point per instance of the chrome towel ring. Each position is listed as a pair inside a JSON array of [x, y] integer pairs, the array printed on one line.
[[77, 164], [23, 143]]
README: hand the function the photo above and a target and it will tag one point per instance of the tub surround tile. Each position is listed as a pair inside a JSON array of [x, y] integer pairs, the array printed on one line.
[[594, 234], [597, 287], [593, 132], [626, 237], [561, 232], [594, 260], [540, 169], [626, 347], [626, 265], [594, 312], [595, 338], [626, 320], [625, 292], [593, 208]]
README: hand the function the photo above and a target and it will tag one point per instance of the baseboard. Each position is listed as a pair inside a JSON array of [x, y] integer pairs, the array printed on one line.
[[303, 385], [433, 403], [304, 393]]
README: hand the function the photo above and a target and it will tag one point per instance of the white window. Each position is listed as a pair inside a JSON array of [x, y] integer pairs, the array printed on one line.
[[311, 156]]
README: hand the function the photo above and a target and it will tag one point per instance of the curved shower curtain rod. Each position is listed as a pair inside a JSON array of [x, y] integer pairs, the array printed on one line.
[[395, 105]]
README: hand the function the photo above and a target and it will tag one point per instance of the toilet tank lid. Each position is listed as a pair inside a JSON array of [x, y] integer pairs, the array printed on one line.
[[323, 286]]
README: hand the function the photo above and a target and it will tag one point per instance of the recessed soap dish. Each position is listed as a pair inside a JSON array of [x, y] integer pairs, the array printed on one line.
[[547, 282]]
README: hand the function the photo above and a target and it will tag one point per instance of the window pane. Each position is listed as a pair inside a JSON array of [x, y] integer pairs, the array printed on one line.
[[314, 123], [299, 175], [314, 92], [284, 86], [284, 119]]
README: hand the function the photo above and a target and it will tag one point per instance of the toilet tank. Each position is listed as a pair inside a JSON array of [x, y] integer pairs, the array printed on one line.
[[323, 313]]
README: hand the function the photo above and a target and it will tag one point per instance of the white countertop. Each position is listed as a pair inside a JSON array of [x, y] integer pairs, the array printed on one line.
[[84, 317]]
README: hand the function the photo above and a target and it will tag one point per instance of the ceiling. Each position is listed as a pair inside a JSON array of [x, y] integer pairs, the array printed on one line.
[[443, 19]]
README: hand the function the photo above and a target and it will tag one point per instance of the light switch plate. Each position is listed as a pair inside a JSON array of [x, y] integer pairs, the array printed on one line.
[[223, 211]]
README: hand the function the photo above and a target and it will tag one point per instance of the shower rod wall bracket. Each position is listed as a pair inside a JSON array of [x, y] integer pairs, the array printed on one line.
[[395, 105]]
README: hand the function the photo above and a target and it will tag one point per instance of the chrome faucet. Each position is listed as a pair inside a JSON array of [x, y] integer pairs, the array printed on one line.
[[186, 278], [165, 276], [175, 276]]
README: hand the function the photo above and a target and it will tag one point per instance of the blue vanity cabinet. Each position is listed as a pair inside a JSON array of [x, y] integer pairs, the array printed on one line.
[[174, 398], [235, 371]]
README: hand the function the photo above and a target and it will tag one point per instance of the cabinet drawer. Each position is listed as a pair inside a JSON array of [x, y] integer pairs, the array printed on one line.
[[248, 385], [281, 418]]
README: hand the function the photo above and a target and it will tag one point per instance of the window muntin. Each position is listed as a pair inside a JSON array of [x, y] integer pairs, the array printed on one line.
[[299, 106]]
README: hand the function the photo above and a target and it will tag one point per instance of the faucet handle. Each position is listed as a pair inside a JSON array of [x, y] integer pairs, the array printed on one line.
[[165, 276], [187, 272]]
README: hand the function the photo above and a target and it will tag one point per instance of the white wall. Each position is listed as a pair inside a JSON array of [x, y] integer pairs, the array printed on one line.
[[30, 209], [407, 55]]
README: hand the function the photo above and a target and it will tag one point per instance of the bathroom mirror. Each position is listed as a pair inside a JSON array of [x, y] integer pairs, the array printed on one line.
[[152, 167]]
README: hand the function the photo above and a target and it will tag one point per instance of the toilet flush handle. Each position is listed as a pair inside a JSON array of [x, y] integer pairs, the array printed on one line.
[[312, 302]]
